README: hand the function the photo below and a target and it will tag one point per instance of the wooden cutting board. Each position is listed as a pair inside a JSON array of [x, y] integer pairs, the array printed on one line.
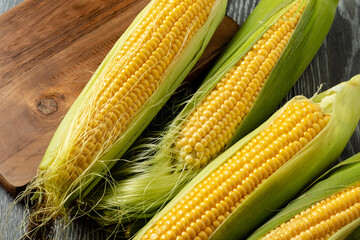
[[49, 50]]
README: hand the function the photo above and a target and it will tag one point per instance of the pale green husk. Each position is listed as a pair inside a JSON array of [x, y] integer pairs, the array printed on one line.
[[353, 231], [157, 175], [173, 76], [342, 176], [342, 103]]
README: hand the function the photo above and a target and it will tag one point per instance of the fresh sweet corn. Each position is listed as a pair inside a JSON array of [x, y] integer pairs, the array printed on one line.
[[323, 219], [207, 205], [130, 80], [136, 78], [249, 181], [212, 125], [328, 210], [259, 66]]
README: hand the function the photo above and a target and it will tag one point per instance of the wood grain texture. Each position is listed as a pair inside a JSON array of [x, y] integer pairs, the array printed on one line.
[[337, 60], [48, 53]]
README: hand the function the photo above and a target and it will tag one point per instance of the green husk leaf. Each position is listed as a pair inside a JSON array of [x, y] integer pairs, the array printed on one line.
[[342, 177], [350, 231], [303, 167], [354, 232]]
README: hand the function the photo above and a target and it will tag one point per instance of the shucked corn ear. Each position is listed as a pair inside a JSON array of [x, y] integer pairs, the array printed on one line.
[[260, 65], [136, 78], [329, 210], [259, 173]]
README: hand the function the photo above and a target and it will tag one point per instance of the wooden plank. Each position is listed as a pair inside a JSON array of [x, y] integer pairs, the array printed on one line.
[[49, 51]]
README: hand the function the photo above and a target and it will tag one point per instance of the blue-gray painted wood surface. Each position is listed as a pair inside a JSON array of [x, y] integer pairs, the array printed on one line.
[[337, 60]]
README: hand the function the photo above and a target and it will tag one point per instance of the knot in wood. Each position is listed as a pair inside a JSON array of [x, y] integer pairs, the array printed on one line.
[[47, 106]]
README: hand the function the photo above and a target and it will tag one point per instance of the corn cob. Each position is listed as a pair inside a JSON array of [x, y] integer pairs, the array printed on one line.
[[136, 78], [248, 82], [213, 123], [227, 199], [329, 210]]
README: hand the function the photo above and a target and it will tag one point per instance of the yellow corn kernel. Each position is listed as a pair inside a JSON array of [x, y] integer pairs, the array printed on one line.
[[131, 79], [211, 201], [323, 219], [212, 125]]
